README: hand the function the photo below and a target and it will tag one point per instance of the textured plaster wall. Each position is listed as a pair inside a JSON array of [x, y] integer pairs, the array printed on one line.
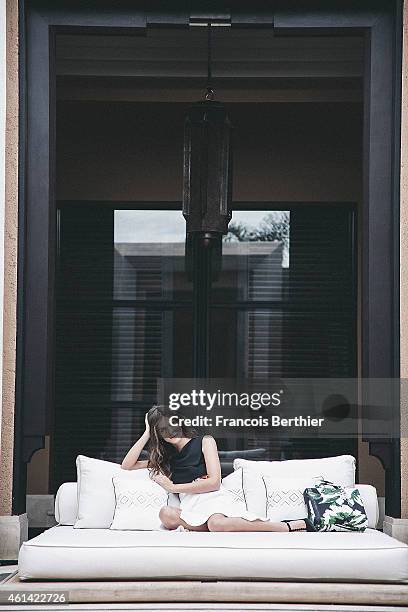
[[404, 261], [10, 259], [2, 165]]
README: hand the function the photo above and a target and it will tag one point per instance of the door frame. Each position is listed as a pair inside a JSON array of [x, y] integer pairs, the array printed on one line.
[[381, 27]]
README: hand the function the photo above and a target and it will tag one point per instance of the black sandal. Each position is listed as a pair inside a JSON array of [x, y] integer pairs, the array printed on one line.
[[309, 525], [298, 528]]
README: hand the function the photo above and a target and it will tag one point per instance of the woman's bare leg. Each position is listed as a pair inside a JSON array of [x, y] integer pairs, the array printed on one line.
[[170, 517], [220, 522]]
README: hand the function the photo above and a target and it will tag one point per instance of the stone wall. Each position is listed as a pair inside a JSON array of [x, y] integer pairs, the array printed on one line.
[[10, 260]]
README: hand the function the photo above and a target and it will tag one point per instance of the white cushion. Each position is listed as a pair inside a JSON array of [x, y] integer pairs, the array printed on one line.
[[66, 553], [138, 503], [340, 469], [96, 497], [66, 503]]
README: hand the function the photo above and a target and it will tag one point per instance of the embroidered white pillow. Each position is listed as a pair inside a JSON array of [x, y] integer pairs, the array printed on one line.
[[138, 504], [284, 497], [96, 497]]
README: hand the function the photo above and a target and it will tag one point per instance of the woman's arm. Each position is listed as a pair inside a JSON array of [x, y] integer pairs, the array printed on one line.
[[130, 462], [201, 485]]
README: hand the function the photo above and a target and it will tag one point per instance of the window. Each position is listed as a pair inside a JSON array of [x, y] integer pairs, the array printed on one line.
[[283, 305]]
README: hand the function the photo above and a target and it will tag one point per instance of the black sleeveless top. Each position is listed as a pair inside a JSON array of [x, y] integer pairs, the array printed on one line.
[[189, 463]]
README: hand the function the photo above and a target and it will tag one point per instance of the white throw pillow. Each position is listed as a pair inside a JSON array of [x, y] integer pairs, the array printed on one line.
[[284, 497], [138, 504], [340, 469], [96, 496]]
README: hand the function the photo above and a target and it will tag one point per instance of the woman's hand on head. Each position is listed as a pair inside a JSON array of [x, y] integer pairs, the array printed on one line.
[[164, 482]]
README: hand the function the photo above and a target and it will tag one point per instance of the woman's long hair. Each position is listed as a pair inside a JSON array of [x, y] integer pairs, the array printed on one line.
[[160, 428]]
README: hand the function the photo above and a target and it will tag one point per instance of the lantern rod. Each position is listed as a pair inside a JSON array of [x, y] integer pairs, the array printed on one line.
[[210, 90]]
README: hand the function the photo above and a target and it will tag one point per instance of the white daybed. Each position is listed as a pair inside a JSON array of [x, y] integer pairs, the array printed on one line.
[[66, 553]]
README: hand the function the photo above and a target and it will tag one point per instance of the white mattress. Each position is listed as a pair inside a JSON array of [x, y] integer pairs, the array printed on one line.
[[73, 554]]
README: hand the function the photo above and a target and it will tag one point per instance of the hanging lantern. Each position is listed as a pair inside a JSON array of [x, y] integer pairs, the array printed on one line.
[[207, 168], [207, 182]]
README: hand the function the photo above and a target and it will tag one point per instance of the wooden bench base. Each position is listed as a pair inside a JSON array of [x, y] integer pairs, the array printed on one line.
[[102, 591]]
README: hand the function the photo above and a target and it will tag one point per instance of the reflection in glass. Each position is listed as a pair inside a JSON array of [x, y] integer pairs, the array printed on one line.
[[149, 255]]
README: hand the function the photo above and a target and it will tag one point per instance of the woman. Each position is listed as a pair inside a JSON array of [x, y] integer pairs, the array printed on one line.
[[183, 462]]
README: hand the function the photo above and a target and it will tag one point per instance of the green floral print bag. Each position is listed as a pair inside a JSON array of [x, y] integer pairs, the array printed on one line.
[[332, 507]]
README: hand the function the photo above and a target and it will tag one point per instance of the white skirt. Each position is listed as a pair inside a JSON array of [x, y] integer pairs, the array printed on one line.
[[196, 508]]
